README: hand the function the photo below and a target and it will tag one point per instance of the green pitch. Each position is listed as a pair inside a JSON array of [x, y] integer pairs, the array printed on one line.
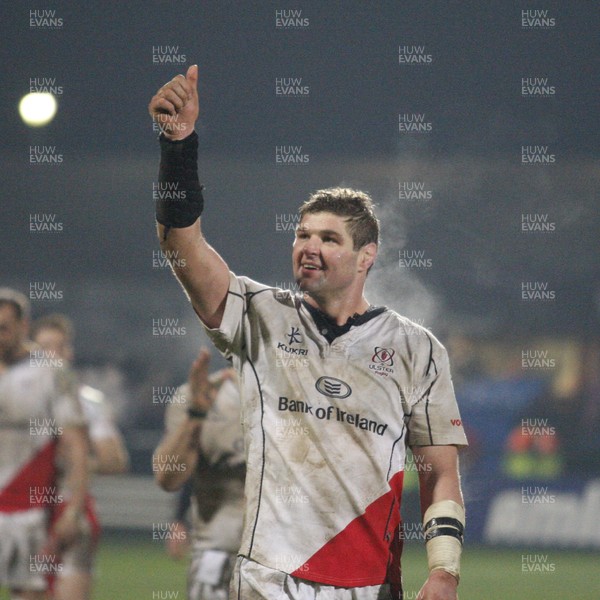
[[134, 568], [488, 574]]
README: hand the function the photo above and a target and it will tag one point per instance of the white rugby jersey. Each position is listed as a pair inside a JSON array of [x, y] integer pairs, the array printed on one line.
[[326, 426], [36, 403], [218, 483]]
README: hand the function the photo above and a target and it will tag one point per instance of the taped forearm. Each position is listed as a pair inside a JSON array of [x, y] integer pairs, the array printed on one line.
[[444, 524]]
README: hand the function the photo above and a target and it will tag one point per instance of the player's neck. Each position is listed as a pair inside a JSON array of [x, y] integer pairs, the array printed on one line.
[[338, 310]]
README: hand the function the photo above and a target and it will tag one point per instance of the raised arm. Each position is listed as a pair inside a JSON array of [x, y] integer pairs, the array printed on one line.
[[443, 513], [199, 268], [176, 457], [179, 449]]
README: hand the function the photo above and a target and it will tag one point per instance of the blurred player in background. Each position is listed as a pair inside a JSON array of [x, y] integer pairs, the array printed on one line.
[[333, 390], [203, 446], [108, 455], [40, 419]]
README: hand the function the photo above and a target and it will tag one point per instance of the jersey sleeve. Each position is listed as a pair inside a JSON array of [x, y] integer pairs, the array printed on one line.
[[228, 338], [435, 419]]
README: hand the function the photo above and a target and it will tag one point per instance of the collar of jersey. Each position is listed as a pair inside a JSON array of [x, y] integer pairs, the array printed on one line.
[[330, 330]]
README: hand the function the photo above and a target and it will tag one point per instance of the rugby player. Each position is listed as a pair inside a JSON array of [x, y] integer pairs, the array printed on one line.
[[54, 333], [40, 419], [203, 444], [326, 430]]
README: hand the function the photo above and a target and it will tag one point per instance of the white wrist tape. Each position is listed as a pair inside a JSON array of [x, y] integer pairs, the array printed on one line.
[[444, 526]]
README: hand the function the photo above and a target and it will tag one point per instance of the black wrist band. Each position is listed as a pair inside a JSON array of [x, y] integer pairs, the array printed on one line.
[[444, 531], [196, 413], [178, 194], [437, 521]]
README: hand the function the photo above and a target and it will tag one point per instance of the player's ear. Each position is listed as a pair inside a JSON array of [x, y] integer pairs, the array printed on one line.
[[367, 256]]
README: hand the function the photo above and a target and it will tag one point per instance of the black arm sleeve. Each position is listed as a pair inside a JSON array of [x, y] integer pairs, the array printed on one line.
[[178, 194]]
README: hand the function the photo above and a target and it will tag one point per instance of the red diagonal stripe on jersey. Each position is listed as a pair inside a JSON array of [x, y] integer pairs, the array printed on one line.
[[39, 472], [367, 551]]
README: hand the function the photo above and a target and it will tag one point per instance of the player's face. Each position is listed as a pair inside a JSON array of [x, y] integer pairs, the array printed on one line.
[[12, 331], [323, 255], [55, 343]]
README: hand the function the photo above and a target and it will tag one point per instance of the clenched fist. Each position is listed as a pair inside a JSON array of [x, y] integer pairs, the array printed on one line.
[[175, 106]]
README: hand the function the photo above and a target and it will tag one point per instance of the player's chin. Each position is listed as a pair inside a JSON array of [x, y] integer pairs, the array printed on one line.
[[303, 284], [306, 288], [308, 284]]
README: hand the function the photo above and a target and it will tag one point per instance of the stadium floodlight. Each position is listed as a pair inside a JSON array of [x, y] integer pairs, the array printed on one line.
[[38, 108]]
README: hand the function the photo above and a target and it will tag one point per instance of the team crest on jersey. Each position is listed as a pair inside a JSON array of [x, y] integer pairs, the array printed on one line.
[[382, 361], [332, 387]]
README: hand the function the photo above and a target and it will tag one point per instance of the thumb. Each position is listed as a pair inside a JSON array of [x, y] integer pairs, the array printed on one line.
[[192, 76]]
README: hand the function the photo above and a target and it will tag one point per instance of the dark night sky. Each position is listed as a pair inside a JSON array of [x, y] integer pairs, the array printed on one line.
[[102, 57]]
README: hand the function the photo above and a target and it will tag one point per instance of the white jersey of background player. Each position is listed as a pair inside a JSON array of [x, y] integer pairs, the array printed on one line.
[[108, 455], [205, 444], [345, 465], [39, 418]]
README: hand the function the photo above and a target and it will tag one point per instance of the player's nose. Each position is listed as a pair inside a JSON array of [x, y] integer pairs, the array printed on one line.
[[312, 246]]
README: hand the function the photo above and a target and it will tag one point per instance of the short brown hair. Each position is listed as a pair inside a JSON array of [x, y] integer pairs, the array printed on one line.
[[358, 206]]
